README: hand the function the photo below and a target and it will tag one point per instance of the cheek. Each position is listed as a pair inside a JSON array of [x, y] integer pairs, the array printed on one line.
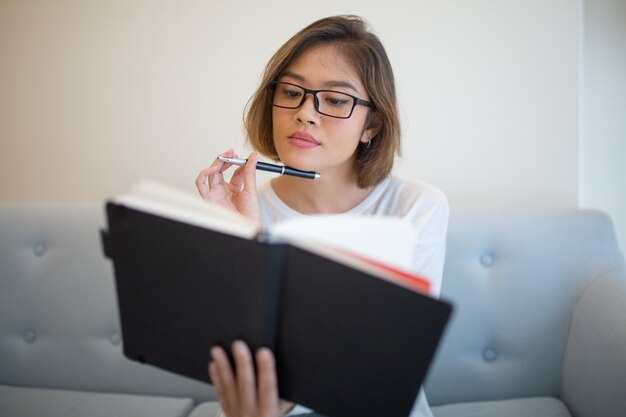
[[277, 122], [280, 115], [349, 129]]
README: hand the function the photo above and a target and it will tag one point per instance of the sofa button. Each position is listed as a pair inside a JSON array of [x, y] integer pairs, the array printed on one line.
[[39, 249], [30, 336], [486, 261], [115, 338], [490, 354]]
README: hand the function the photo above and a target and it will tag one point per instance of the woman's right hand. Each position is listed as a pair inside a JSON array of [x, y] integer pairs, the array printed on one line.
[[239, 194]]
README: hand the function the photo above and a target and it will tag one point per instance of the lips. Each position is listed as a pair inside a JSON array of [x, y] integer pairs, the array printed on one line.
[[303, 140]]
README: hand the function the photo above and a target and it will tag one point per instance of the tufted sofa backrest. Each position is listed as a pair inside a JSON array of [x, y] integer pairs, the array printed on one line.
[[59, 325], [515, 277]]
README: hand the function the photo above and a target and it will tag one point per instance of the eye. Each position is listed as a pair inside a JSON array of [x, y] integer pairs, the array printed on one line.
[[337, 100], [290, 93]]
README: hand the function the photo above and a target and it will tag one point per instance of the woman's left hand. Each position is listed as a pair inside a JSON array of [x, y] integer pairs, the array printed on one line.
[[238, 391]]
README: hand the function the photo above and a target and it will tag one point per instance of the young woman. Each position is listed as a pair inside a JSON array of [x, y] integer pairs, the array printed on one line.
[[327, 104]]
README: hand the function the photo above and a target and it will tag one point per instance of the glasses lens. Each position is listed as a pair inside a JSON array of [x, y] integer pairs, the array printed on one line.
[[287, 95], [330, 103], [334, 103]]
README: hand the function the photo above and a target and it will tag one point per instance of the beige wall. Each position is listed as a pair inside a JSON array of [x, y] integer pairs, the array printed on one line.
[[96, 94]]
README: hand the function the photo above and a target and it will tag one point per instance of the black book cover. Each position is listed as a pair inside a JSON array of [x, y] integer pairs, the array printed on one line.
[[370, 340], [182, 289], [347, 344]]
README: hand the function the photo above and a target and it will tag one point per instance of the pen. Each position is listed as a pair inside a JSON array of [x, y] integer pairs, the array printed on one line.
[[279, 169]]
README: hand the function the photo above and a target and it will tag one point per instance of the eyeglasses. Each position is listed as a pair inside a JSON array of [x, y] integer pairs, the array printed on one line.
[[327, 102]]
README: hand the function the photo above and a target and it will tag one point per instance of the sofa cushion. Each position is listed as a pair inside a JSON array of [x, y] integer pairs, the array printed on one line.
[[514, 277], [59, 321], [523, 407], [28, 402]]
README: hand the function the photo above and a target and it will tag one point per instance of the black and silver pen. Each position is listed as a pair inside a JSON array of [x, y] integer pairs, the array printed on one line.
[[279, 169]]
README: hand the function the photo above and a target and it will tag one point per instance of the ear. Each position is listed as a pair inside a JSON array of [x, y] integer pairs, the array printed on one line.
[[372, 127]]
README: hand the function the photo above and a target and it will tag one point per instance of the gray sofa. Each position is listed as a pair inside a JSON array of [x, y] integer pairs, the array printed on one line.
[[539, 327]]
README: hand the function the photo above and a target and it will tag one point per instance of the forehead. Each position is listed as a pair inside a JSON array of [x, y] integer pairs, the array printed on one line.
[[323, 66]]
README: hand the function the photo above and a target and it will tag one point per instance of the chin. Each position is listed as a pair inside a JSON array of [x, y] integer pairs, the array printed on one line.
[[301, 162]]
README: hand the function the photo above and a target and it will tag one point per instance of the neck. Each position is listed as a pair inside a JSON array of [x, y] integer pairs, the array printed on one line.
[[330, 194]]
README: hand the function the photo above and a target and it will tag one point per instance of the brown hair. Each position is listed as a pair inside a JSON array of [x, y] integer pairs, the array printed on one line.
[[365, 52]]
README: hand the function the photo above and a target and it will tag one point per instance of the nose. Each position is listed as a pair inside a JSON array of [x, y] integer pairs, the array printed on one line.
[[307, 113]]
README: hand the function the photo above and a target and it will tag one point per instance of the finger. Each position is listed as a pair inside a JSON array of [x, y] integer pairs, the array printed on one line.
[[223, 166], [215, 177], [225, 376], [268, 388], [220, 165], [229, 153], [202, 184], [202, 181], [249, 174], [237, 178], [218, 177], [215, 379], [245, 376], [214, 375]]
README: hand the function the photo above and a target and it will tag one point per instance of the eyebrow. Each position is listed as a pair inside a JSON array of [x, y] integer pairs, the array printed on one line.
[[327, 84]]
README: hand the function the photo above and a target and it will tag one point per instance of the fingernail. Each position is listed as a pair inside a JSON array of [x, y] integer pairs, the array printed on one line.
[[215, 353], [264, 354], [239, 347]]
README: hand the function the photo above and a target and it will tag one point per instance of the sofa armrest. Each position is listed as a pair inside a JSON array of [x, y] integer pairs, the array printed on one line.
[[594, 369]]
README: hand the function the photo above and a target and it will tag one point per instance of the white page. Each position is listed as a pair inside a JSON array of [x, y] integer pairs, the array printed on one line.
[[171, 203], [388, 240]]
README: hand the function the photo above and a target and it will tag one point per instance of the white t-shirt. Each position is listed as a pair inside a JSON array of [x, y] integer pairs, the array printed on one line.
[[423, 205]]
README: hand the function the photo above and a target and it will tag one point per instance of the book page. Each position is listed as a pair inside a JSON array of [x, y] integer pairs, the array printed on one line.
[[169, 202], [381, 246], [387, 240]]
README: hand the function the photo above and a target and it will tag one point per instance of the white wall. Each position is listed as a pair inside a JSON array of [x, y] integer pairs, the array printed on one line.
[[95, 94], [603, 111]]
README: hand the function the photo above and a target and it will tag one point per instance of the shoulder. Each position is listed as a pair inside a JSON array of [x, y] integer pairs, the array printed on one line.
[[412, 188], [422, 204], [426, 208], [411, 197]]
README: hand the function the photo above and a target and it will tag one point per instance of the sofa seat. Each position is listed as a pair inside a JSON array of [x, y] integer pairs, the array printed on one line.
[[522, 407], [22, 401], [206, 409]]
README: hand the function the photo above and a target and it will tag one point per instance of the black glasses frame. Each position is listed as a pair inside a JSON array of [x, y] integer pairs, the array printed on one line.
[[271, 88]]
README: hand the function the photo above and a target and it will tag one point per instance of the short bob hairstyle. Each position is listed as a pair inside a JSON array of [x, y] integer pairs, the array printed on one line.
[[364, 51]]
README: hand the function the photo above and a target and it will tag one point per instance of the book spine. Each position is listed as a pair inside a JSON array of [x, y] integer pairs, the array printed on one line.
[[274, 276]]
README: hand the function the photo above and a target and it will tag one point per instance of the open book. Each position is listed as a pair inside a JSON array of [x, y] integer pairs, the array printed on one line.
[[353, 332]]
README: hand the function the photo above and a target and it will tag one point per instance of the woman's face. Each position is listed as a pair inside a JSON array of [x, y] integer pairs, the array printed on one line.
[[308, 140]]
